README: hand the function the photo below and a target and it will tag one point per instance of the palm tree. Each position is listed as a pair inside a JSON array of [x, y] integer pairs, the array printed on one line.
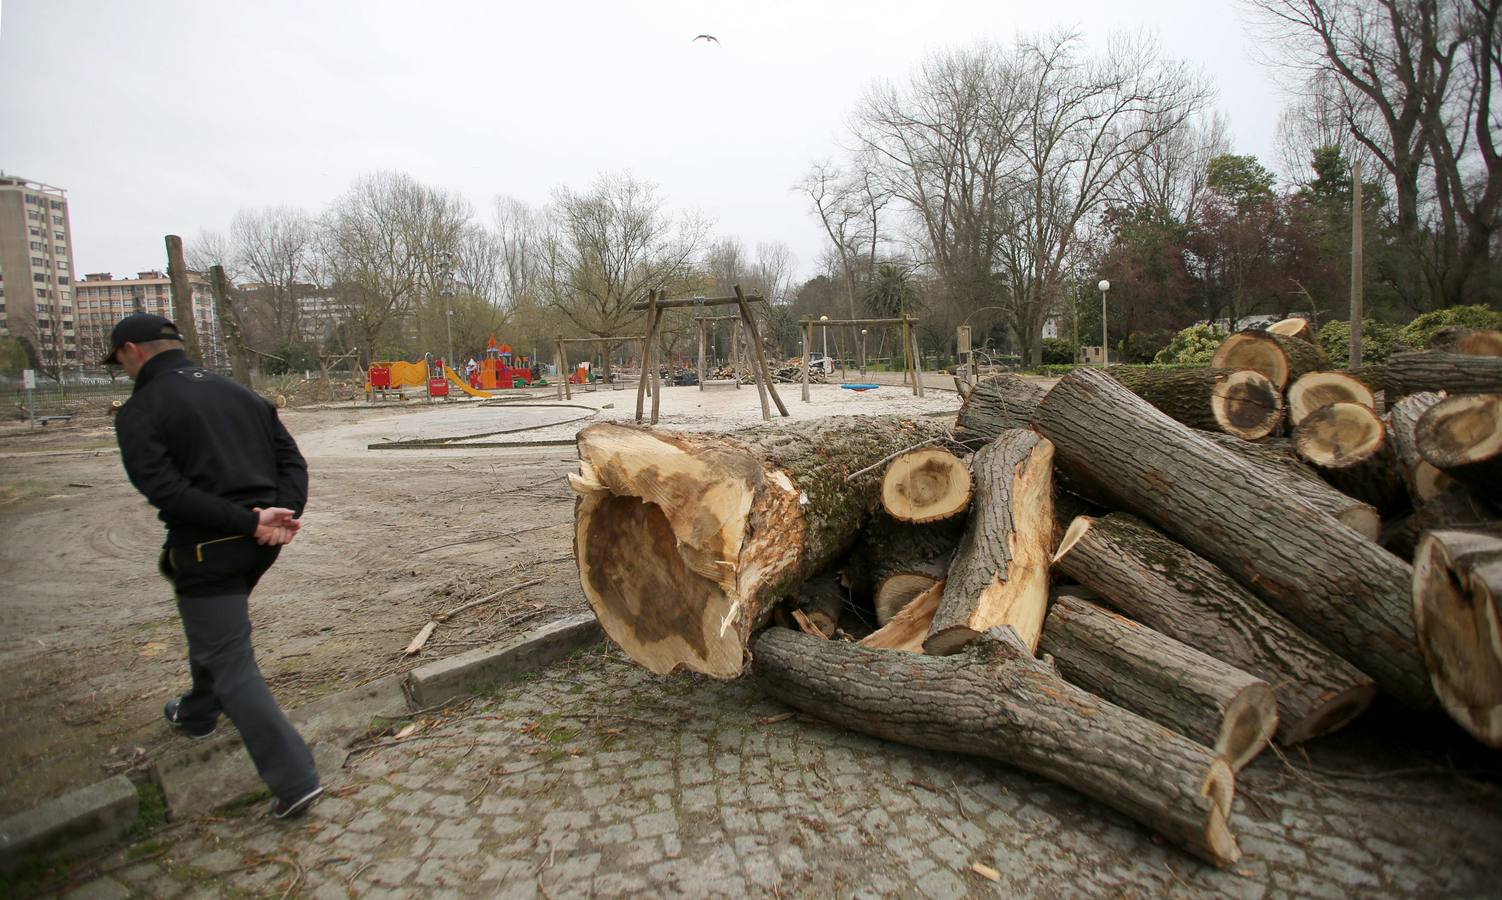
[[891, 295]]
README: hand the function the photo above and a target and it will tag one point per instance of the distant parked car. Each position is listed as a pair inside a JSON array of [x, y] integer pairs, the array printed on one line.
[[823, 364]]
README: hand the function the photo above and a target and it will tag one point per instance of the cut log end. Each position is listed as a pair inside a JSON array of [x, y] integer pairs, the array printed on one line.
[[897, 591], [1337, 712], [1072, 536], [1251, 720], [1256, 351], [1320, 389], [1462, 430], [925, 485], [1456, 576], [1248, 405], [1339, 435], [907, 629], [1295, 327], [1220, 790]]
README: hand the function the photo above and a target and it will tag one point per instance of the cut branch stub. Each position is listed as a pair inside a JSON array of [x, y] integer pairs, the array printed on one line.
[[995, 700], [925, 485], [1457, 586], [1206, 700], [1462, 436], [1282, 359], [685, 541], [1171, 589], [1318, 389], [999, 575]]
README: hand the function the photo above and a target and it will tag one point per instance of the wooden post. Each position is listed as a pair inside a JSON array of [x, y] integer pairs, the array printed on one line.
[[229, 324], [1355, 263], [182, 300], [656, 375], [906, 361], [754, 337], [917, 358], [646, 354], [564, 391], [703, 329], [761, 387], [735, 352], [808, 347]]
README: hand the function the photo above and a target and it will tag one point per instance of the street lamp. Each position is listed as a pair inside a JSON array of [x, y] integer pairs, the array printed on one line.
[[1105, 342], [863, 352], [825, 329]]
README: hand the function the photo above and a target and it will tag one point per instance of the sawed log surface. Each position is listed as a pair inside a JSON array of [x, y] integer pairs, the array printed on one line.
[[1457, 608], [1343, 590], [1421, 480], [1203, 698], [995, 700], [1169, 588]]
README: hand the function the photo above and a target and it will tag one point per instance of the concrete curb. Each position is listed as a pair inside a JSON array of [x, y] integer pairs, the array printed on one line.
[[438, 682], [87, 818]]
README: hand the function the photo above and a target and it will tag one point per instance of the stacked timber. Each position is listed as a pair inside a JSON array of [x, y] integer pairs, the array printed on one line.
[[1143, 596]]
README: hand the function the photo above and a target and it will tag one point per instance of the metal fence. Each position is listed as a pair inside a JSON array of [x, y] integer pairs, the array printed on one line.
[[52, 398]]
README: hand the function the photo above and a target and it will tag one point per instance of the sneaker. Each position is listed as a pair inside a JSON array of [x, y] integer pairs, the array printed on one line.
[[195, 732], [281, 809]]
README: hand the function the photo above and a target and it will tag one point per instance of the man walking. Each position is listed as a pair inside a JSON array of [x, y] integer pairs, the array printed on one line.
[[229, 483]]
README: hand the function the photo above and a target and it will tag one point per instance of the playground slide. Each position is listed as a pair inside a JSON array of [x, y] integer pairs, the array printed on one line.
[[454, 377]]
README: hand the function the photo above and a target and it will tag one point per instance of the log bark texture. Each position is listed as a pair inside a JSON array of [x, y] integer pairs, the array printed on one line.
[[1242, 403], [685, 541], [1169, 588], [1343, 590], [1206, 700], [1429, 370], [999, 575], [1421, 480], [996, 404], [1278, 460], [1457, 588], [995, 700], [1453, 508], [1462, 436], [896, 561]]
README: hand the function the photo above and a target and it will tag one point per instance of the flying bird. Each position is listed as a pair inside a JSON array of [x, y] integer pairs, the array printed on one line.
[[706, 37]]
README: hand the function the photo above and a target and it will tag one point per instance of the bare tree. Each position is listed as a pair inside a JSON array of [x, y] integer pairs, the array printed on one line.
[[520, 233], [273, 248]]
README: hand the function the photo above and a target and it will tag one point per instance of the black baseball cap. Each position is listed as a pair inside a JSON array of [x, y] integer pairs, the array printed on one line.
[[139, 328]]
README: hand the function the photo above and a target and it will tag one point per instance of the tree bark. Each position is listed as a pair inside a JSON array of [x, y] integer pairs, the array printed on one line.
[[1277, 459], [1422, 481], [896, 561], [229, 323], [1319, 389], [1453, 508], [685, 541], [1343, 590], [182, 300], [1467, 341], [1429, 370], [1204, 699], [1281, 359], [925, 484], [996, 404], [1457, 589], [995, 700], [1462, 436], [1171, 589], [999, 575], [1241, 403]]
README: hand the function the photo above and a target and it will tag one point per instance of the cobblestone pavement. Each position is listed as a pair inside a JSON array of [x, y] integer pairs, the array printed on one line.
[[597, 778]]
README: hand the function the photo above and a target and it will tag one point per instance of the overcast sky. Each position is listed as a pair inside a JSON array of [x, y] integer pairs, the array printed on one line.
[[165, 117]]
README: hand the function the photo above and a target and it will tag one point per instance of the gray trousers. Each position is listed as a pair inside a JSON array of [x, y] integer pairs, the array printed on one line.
[[227, 680]]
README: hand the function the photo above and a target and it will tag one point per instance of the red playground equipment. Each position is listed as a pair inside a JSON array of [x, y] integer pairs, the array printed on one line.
[[496, 371]]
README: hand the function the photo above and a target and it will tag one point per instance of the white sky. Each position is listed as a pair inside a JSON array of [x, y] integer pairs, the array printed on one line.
[[165, 117]]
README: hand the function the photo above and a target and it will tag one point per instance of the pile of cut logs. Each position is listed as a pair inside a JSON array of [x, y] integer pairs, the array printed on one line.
[[1129, 583]]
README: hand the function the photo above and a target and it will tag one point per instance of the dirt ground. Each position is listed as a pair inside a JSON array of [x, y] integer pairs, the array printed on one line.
[[90, 645]]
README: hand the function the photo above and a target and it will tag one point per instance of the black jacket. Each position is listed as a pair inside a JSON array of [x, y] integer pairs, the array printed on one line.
[[205, 450]]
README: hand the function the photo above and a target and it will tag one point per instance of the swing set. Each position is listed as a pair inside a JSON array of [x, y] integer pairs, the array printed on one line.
[[911, 361]]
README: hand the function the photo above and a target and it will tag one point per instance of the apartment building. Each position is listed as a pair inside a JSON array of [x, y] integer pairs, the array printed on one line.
[[103, 300], [36, 272]]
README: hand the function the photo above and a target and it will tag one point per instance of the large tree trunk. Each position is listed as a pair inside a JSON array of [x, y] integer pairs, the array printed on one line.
[[897, 561], [1428, 370], [1345, 591], [1282, 359], [999, 575], [995, 405], [1277, 460], [1151, 674], [1421, 479], [995, 700], [1457, 589], [1169, 588], [1462, 436], [685, 541], [1241, 403]]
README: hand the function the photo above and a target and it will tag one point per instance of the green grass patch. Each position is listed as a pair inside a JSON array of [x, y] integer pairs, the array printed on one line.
[[151, 811]]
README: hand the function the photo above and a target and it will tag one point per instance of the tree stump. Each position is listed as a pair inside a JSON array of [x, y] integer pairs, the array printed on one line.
[[995, 700], [1457, 588], [999, 575], [1153, 675], [1340, 588], [685, 541], [1171, 589]]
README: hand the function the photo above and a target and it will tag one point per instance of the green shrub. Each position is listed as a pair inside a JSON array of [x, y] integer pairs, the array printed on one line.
[[1417, 334], [1191, 347], [1144, 346], [1379, 340], [1058, 352]]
